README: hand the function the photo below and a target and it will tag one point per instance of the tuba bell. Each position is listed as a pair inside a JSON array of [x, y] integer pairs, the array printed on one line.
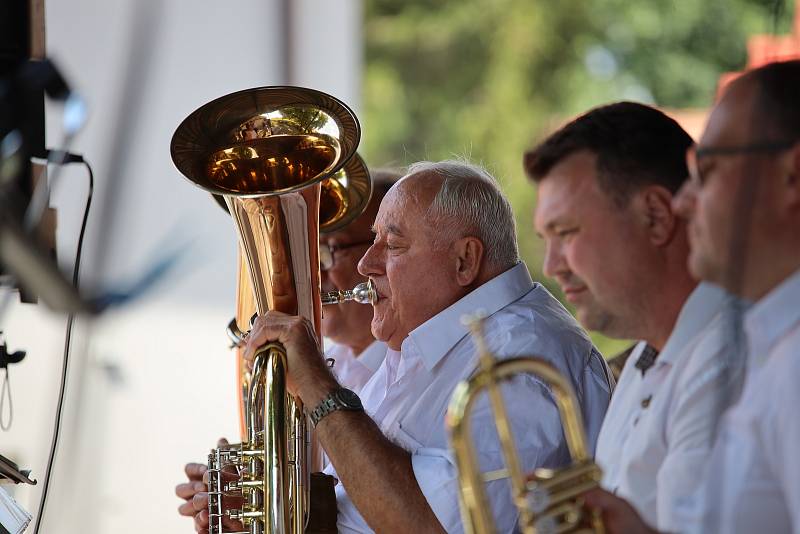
[[548, 500], [283, 161]]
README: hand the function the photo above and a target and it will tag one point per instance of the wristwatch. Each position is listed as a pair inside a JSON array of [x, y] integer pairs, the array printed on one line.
[[339, 399]]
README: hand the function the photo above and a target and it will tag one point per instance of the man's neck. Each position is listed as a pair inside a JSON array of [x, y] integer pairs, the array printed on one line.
[[772, 273], [359, 347], [665, 309]]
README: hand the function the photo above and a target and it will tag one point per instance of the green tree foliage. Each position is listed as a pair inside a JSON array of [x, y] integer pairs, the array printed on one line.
[[485, 79]]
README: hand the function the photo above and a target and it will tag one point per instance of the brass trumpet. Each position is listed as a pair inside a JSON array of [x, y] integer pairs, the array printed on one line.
[[283, 161], [548, 500]]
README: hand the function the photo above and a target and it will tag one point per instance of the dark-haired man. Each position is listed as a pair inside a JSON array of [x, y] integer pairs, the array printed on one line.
[[605, 187], [743, 205]]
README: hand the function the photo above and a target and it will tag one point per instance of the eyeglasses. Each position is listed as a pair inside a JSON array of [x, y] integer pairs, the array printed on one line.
[[695, 153], [327, 253]]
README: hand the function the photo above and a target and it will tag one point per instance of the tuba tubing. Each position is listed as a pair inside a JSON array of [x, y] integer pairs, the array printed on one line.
[[283, 161]]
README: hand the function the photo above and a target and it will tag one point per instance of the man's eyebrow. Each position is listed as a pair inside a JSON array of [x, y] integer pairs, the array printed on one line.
[[551, 225], [394, 229], [390, 228]]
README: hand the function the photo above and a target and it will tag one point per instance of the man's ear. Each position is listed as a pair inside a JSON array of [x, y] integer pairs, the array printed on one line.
[[469, 258], [661, 221]]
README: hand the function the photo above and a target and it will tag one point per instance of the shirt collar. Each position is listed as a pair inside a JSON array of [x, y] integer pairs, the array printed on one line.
[[372, 357], [435, 337], [703, 304], [770, 318]]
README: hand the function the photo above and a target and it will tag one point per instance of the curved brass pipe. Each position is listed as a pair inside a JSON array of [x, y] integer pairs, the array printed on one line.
[[280, 158], [548, 500]]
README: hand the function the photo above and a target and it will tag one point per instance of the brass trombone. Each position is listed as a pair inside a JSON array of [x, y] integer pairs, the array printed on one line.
[[275, 156], [548, 501]]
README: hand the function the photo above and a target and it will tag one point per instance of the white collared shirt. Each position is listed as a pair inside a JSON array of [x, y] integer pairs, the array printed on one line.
[[353, 371], [409, 394], [753, 478], [660, 426]]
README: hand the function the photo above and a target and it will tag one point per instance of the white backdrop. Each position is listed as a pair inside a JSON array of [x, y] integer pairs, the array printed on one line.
[[151, 385]]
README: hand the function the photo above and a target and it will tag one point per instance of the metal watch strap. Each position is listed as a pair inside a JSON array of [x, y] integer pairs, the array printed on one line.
[[328, 405], [338, 399]]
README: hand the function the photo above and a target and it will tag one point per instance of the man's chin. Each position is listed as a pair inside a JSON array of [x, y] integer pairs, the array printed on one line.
[[381, 331], [701, 268], [594, 319], [331, 323]]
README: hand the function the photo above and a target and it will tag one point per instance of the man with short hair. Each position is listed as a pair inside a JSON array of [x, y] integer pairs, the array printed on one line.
[[445, 246], [605, 185], [743, 206]]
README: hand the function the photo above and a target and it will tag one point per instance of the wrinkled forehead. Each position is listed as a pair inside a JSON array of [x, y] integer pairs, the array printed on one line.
[[569, 191], [405, 206]]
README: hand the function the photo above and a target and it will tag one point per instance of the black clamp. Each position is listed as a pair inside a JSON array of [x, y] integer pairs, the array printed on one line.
[[5, 391], [9, 357]]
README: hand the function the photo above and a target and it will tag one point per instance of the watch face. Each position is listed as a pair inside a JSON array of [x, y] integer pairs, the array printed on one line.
[[349, 399]]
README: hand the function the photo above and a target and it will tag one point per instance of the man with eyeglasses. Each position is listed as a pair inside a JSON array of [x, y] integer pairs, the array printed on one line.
[[743, 206], [605, 185]]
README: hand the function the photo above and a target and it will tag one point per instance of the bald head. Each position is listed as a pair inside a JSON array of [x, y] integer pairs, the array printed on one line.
[[758, 107]]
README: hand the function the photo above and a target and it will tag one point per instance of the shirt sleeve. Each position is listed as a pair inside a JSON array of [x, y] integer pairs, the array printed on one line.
[[536, 426]]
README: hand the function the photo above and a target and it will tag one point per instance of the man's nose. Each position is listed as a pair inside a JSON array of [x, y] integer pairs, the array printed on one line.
[[371, 263], [553, 263], [683, 203]]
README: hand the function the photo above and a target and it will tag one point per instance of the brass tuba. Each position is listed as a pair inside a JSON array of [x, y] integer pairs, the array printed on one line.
[[548, 501], [283, 160]]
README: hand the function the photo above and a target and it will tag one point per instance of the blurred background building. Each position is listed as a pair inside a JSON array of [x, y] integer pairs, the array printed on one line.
[[152, 385]]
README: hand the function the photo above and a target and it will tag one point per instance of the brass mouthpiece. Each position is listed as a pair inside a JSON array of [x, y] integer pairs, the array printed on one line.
[[363, 293]]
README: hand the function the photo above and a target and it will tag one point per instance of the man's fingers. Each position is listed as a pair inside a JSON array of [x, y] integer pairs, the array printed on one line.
[[187, 490], [272, 326], [187, 509], [200, 501], [598, 498], [195, 471], [619, 517], [201, 521], [228, 473]]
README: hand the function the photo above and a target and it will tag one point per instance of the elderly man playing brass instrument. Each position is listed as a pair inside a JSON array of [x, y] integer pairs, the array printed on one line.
[[445, 245]]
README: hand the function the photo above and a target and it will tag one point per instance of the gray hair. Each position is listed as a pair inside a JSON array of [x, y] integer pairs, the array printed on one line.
[[470, 202]]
